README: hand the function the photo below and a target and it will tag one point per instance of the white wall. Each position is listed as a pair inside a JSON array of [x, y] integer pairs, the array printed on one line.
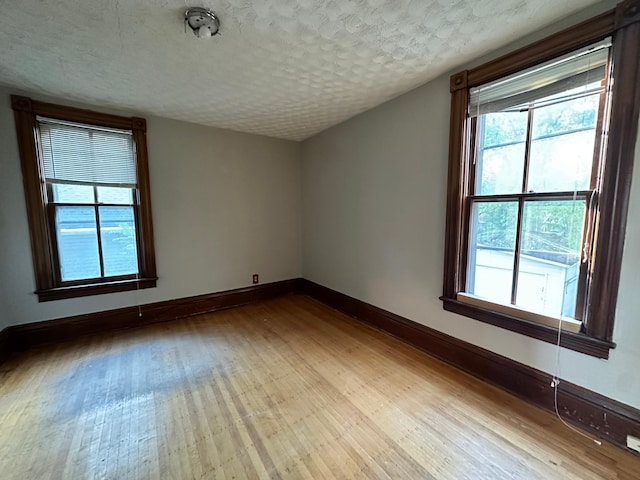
[[374, 193], [225, 205]]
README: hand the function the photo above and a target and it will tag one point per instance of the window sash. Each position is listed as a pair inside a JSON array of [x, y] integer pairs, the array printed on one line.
[[523, 197], [52, 207]]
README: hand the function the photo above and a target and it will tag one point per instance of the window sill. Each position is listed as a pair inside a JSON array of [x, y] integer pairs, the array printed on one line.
[[567, 324], [573, 341], [61, 293]]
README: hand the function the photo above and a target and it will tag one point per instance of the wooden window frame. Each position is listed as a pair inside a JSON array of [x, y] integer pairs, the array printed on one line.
[[48, 285], [623, 24]]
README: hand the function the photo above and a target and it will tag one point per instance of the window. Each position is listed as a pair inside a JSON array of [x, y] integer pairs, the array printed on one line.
[[86, 185], [542, 145], [534, 182]]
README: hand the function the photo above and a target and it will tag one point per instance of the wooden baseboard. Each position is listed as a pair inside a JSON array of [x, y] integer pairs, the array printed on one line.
[[5, 349], [21, 337], [597, 414]]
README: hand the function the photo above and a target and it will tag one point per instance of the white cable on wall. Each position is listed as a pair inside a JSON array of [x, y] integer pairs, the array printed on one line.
[[555, 381], [554, 384]]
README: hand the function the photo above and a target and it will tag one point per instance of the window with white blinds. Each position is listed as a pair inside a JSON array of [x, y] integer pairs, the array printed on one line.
[[541, 152], [535, 165], [75, 153], [86, 179], [90, 175]]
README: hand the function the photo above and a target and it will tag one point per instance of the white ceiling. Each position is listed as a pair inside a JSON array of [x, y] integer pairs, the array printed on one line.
[[283, 68]]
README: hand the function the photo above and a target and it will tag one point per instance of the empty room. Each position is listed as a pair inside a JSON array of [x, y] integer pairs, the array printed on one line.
[[301, 239]]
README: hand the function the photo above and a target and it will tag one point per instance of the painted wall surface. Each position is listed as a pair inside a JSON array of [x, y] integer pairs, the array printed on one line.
[[374, 194], [225, 205]]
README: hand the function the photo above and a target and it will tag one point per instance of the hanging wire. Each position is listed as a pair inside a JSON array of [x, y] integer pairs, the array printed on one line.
[[137, 299], [554, 384], [555, 381]]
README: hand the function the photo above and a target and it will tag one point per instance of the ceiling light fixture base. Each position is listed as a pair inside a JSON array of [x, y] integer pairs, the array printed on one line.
[[202, 21]]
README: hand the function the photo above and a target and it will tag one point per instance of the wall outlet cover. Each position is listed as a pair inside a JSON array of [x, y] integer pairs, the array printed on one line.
[[633, 443]]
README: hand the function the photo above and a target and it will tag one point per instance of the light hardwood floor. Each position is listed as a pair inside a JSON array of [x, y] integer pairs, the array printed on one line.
[[283, 389]]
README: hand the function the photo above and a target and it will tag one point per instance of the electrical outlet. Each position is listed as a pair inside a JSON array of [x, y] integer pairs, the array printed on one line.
[[256, 278], [633, 443]]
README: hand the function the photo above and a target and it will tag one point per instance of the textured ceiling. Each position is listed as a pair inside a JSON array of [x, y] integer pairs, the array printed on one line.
[[283, 68]]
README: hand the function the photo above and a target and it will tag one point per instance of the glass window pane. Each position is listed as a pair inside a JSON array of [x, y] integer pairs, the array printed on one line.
[[118, 236], [492, 250], [503, 127], [550, 256], [499, 170], [117, 195], [501, 149], [562, 163], [562, 145], [77, 243], [72, 193], [578, 114]]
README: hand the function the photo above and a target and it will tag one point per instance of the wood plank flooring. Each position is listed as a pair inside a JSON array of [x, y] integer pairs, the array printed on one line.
[[283, 389]]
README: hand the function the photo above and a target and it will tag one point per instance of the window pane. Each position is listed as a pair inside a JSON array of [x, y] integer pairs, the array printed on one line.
[[118, 236], [562, 163], [501, 148], [504, 127], [77, 243], [550, 256], [72, 193], [118, 195], [567, 116], [492, 250], [499, 170]]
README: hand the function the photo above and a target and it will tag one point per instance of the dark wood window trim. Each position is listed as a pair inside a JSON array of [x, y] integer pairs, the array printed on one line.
[[623, 24], [42, 245]]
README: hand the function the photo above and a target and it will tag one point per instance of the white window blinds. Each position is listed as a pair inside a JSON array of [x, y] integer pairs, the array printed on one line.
[[584, 68], [74, 153]]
